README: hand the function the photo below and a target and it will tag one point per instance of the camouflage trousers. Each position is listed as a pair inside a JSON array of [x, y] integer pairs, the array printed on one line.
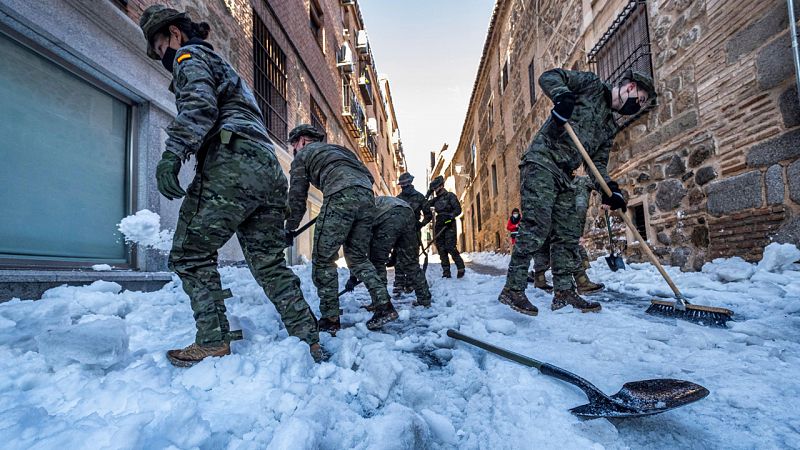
[[345, 221], [446, 245], [397, 229], [239, 188], [402, 278], [548, 210], [541, 258]]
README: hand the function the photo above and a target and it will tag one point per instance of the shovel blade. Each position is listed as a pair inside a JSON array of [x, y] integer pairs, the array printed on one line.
[[615, 262], [643, 398]]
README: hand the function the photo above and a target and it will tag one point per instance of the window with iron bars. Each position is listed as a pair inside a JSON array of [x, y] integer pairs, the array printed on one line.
[[317, 23], [318, 119], [269, 63], [625, 46]]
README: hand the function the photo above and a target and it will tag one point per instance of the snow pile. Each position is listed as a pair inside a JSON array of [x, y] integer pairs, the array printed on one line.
[[492, 259], [101, 267], [779, 257], [100, 343], [731, 269], [144, 228], [85, 367]]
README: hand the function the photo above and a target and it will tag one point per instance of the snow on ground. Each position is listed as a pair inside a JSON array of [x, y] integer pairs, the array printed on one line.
[[85, 368]]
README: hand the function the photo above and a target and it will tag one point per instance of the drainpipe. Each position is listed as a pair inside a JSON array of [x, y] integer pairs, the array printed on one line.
[[795, 52]]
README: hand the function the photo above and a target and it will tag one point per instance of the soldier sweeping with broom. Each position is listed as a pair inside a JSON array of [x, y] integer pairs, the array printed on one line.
[[547, 184]]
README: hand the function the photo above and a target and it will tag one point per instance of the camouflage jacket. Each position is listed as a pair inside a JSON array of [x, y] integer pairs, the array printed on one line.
[[416, 200], [329, 168], [210, 96], [592, 121], [384, 204], [446, 205]]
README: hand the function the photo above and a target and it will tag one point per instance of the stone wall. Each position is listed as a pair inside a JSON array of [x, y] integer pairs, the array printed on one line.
[[714, 165]]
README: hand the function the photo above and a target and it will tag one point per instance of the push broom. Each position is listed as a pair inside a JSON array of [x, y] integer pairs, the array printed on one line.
[[680, 308]]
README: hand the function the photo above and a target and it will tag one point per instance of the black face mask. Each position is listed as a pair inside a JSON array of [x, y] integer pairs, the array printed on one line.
[[631, 106], [169, 58]]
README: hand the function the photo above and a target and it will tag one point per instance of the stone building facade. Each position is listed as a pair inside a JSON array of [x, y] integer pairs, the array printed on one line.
[[105, 106], [710, 171]]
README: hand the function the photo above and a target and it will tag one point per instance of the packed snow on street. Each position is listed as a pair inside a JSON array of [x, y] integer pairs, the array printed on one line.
[[84, 367]]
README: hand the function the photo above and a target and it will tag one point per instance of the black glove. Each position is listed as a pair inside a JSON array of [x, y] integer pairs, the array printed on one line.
[[617, 200], [167, 176], [392, 261], [351, 284], [563, 106], [288, 237]]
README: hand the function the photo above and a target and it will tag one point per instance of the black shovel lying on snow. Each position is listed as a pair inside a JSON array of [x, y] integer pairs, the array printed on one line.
[[635, 399], [614, 261]]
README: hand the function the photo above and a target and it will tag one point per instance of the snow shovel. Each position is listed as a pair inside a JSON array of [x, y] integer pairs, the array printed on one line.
[[300, 230], [614, 261], [680, 308], [635, 399]]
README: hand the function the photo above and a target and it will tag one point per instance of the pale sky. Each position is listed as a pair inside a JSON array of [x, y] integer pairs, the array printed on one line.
[[429, 50]]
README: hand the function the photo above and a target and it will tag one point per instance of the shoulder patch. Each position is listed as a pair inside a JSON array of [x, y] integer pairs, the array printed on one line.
[[184, 57]]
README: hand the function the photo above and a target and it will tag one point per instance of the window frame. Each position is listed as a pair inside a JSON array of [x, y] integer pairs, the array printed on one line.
[[504, 75], [317, 23], [318, 117], [611, 65], [494, 180], [532, 81], [130, 184], [269, 68]]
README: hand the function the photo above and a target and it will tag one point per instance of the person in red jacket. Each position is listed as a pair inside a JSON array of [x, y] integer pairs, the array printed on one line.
[[513, 225]]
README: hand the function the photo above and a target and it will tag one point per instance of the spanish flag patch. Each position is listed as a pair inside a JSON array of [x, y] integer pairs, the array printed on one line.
[[184, 57]]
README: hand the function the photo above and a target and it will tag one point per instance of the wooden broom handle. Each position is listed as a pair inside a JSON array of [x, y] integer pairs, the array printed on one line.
[[628, 222]]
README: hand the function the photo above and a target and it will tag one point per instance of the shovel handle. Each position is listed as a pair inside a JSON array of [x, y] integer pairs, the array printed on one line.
[[602, 182]]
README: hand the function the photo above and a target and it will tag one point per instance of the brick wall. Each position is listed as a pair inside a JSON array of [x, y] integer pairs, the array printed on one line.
[[311, 68], [714, 165]]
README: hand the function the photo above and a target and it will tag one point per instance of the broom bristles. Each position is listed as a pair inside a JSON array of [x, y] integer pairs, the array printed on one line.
[[706, 315]]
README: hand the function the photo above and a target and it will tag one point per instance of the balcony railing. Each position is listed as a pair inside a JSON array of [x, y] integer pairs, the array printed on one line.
[[352, 111], [369, 147]]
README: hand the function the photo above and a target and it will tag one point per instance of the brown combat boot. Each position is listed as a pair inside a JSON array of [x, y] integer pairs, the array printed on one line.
[[193, 354], [585, 285], [570, 297], [540, 281], [383, 314], [518, 301], [318, 353], [329, 324]]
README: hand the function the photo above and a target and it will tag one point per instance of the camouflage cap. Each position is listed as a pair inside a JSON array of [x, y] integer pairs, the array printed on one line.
[[153, 20], [305, 129], [643, 81], [437, 182], [405, 179]]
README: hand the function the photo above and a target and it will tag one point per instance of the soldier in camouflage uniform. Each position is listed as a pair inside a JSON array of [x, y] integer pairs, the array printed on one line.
[[239, 187], [546, 181], [402, 280], [447, 209], [395, 229], [541, 258], [345, 220]]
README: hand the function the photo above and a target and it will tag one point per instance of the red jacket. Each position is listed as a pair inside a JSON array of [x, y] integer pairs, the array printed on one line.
[[513, 228]]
